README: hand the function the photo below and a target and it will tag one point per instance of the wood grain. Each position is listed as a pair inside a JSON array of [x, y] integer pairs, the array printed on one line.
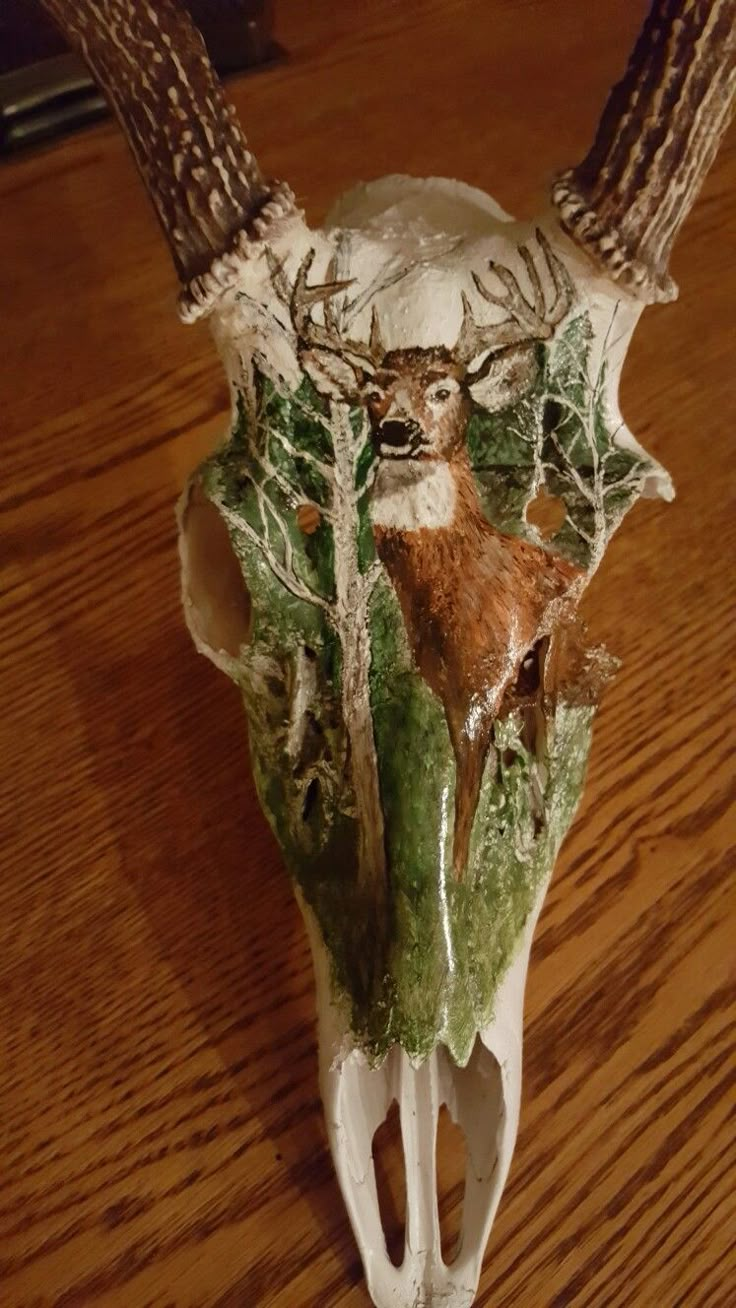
[[161, 1133]]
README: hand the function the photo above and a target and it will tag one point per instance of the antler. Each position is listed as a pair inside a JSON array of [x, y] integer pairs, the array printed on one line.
[[656, 140], [528, 319], [207, 188], [301, 298]]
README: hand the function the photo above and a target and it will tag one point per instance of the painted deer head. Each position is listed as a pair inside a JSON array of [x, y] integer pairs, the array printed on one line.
[[369, 703], [419, 400]]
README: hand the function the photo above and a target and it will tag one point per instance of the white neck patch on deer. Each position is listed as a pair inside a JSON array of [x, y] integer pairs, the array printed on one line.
[[409, 494]]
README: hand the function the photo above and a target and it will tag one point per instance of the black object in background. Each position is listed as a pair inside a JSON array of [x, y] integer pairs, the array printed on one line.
[[45, 90]]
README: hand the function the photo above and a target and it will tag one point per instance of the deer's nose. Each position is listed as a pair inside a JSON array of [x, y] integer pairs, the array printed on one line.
[[394, 432]]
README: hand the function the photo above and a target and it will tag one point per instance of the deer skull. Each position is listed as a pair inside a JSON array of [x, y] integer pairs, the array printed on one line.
[[418, 738], [358, 556]]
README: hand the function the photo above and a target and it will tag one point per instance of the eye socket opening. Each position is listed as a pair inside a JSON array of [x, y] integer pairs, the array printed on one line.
[[216, 599]]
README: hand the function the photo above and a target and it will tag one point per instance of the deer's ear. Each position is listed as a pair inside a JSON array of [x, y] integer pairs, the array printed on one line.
[[333, 376], [502, 377]]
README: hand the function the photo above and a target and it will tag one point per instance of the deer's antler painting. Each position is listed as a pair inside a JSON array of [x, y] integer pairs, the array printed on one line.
[[364, 555]]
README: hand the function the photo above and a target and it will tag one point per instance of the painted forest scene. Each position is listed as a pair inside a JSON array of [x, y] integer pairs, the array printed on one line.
[[420, 718]]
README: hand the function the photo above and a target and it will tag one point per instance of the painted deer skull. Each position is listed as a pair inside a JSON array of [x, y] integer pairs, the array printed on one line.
[[361, 557]]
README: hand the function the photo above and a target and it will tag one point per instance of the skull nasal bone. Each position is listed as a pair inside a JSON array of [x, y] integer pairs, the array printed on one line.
[[399, 433]]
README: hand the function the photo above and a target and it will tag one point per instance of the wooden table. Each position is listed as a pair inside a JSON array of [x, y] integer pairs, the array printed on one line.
[[162, 1140]]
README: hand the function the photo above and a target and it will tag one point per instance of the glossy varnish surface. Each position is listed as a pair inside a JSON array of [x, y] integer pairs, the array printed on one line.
[[161, 1140]]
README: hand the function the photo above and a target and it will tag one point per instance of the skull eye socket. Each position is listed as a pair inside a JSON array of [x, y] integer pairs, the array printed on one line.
[[216, 598]]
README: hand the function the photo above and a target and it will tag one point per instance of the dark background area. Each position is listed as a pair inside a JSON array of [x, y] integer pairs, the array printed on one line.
[[237, 32]]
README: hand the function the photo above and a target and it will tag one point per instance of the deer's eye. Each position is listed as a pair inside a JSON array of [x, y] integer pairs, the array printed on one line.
[[374, 396], [443, 393]]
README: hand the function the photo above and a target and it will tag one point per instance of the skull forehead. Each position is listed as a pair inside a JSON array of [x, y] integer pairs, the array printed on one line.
[[437, 230], [417, 207]]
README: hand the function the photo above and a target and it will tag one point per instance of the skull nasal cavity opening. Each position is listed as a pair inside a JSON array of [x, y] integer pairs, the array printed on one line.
[[451, 1168], [216, 597], [311, 797], [390, 1172]]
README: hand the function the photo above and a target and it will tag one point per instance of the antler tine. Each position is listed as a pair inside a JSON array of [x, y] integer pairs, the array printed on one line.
[[300, 304], [500, 301], [514, 303], [531, 269], [375, 344], [561, 280], [527, 320], [506, 277], [469, 342], [331, 316], [279, 280], [303, 299], [474, 339]]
